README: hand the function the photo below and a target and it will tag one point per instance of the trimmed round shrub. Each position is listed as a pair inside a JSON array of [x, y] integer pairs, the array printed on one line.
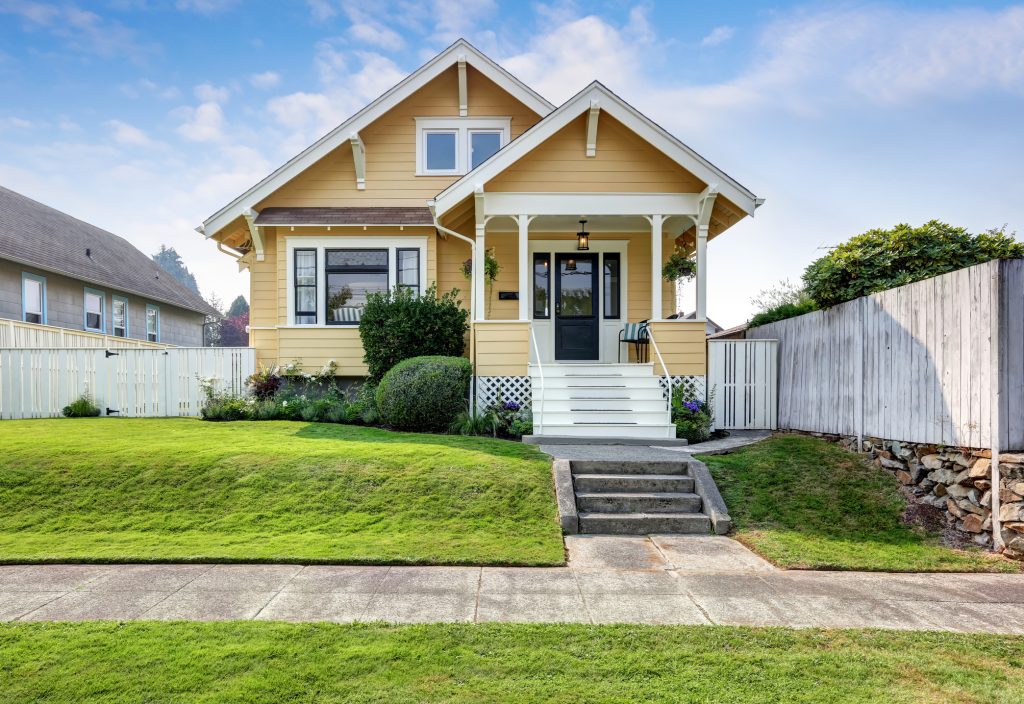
[[424, 393]]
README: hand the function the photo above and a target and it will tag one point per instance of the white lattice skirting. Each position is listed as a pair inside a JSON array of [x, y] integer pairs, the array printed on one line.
[[492, 389], [695, 386]]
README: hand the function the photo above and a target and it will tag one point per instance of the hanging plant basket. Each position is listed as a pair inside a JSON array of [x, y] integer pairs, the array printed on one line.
[[679, 267], [491, 267]]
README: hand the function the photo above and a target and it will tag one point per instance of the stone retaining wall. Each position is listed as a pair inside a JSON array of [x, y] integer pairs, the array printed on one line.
[[958, 481]]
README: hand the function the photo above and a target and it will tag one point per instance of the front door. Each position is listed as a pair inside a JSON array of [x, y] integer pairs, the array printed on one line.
[[577, 331]]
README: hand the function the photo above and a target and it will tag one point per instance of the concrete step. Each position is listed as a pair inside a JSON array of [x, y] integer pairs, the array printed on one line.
[[638, 502], [589, 483], [628, 467], [654, 431], [644, 523]]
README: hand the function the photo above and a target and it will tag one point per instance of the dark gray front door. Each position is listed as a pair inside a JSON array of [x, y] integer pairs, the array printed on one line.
[[576, 316]]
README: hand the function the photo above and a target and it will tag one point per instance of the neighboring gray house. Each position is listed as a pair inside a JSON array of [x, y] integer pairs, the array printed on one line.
[[57, 270]]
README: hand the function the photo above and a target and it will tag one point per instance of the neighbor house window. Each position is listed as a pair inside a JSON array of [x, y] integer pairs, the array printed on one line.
[[94, 310], [541, 285], [352, 275], [33, 298], [452, 146], [611, 285], [305, 287], [119, 316], [408, 268], [153, 323]]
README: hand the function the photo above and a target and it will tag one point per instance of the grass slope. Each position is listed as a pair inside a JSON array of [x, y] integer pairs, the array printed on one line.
[[276, 662], [802, 502], [109, 489]]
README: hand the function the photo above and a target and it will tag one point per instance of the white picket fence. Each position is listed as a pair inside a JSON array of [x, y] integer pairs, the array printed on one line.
[[743, 379], [38, 383]]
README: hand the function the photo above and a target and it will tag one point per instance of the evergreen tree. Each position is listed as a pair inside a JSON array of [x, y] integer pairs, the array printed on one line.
[[237, 307], [170, 261]]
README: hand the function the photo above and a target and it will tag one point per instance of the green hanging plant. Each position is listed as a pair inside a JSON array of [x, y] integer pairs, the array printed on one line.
[[679, 267]]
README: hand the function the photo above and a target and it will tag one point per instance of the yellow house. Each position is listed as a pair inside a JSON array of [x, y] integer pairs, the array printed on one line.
[[460, 161]]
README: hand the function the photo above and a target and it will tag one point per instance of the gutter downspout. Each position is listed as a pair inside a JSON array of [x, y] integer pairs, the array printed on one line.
[[472, 302]]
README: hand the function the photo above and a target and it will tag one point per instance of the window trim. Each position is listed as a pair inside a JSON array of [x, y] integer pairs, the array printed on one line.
[[463, 127], [41, 280], [386, 270], [113, 320], [325, 242], [102, 329], [617, 257], [293, 311], [149, 307]]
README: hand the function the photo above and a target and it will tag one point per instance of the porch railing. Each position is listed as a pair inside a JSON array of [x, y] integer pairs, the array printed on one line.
[[538, 414], [664, 369]]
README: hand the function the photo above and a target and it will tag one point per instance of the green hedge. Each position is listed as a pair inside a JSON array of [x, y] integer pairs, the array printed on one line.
[[424, 393]]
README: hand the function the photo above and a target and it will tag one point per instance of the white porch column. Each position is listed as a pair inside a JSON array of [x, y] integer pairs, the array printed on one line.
[[479, 275], [656, 256], [702, 272], [524, 267]]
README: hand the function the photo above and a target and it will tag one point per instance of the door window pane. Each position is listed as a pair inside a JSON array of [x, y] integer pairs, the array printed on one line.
[[33, 294], [119, 311], [541, 285], [409, 268], [577, 287], [611, 285], [482, 146], [93, 311], [440, 151]]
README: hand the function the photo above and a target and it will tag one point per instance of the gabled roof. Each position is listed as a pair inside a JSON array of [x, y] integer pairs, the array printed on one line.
[[39, 236], [622, 111], [343, 132]]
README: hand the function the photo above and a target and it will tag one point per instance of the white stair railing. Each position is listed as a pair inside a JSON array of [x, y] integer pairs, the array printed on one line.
[[538, 416], [664, 369]]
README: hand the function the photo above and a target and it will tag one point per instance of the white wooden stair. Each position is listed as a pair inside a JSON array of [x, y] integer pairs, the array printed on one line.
[[599, 400]]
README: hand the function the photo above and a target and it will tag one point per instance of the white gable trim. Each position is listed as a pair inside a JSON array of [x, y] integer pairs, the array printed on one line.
[[461, 49], [624, 113]]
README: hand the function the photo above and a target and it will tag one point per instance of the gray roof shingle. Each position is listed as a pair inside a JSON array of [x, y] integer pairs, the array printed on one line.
[[345, 216], [37, 235]]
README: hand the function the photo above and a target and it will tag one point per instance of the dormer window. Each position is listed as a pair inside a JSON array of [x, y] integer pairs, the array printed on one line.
[[452, 146]]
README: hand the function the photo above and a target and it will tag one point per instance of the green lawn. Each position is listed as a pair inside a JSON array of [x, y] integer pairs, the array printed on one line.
[[276, 662], [802, 502], [109, 489]]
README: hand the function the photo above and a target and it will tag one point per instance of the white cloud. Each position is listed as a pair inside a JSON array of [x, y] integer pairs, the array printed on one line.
[[78, 29], [16, 123], [129, 135], [206, 7], [209, 93], [146, 87], [203, 123], [321, 10], [369, 29], [458, 18], [718, 35], [265, 80]]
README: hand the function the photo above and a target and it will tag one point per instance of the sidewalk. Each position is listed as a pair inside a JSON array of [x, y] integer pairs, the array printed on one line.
[[660, 580]]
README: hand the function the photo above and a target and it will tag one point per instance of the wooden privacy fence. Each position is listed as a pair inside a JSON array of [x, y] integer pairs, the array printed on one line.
[[938, 361], [38, 383], [15, 333], [743, 379]]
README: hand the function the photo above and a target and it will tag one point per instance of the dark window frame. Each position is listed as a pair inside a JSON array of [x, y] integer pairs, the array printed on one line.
[[542, 256], [296, 285], [617, 292], [398, 270], [344, 269]]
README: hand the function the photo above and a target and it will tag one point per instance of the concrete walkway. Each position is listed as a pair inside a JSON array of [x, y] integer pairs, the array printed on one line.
[[657, 579], [645, 453]]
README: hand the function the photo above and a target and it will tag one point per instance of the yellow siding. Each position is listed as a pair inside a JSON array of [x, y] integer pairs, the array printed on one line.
[[683, 346], [315, 347], [265, 344], [625, 163], [391, 149], [502, 349], [451, 253], [263, 285]]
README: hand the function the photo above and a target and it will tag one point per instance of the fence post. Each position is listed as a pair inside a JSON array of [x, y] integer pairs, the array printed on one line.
[[859, 383]]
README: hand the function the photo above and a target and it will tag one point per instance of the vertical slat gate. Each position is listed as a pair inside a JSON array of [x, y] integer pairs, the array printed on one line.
[[743, 380]]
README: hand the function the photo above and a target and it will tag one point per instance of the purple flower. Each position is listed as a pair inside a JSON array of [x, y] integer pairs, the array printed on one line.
[[692, 406], [510, 406]]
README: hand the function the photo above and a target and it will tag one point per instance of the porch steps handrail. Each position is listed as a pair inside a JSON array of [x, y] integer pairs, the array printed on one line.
[[664, 368], [539, 415]]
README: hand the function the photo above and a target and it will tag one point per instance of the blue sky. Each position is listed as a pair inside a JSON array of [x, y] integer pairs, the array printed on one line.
[[145, 116]]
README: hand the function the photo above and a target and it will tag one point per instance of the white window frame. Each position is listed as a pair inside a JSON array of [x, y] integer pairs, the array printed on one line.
[[502, 141], [321, 244], [156, 334], [463, 127], [114, 300], [40, 281], [102, 296]]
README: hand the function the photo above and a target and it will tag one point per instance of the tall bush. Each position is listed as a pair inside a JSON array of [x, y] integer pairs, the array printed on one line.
[[424, 393], [881, 259], [398, 325]]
